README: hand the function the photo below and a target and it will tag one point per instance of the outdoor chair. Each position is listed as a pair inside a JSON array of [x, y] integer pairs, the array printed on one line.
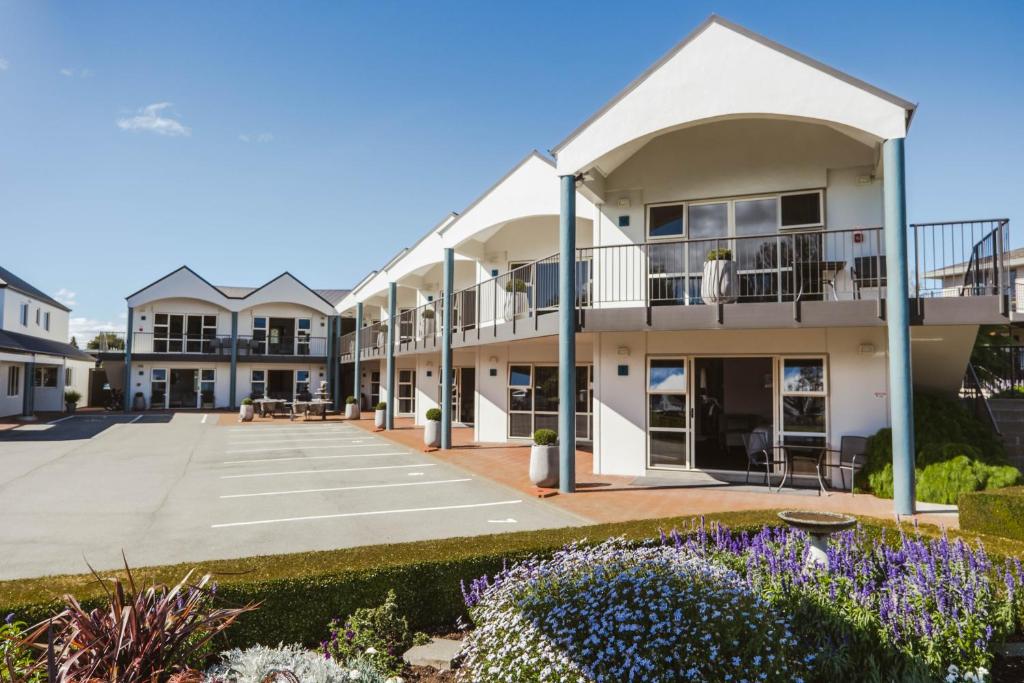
[[761, 453], [852, 455], [868, 272]]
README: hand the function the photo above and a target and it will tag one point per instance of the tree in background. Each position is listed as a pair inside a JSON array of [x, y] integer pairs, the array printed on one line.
[[74, 342], [106, 341]]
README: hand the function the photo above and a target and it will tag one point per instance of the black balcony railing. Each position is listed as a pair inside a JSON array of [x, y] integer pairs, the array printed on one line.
[[220, 345]]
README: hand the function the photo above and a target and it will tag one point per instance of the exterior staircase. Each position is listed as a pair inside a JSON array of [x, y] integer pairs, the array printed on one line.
[[1008, 414]]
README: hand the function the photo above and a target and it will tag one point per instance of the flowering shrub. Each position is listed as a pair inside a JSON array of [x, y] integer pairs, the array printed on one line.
[[923, 608], [379, 634], [613, 613]]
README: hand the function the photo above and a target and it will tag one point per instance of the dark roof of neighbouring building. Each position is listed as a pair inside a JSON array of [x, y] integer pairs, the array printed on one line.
[[25, 343], [12, 281]]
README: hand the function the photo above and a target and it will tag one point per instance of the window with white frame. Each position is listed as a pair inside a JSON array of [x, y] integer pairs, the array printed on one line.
[[258, 384], [207, 385], [158, 388], [46, 321], [668, 422], [301, 383], [39, 316], [68, 377], [533, 399], [803, 398], [406, 392], [46, 376], [259, 334], [702, 219], [303, 332], [374, 388], [23, 315], [13, 380], [184, 333]]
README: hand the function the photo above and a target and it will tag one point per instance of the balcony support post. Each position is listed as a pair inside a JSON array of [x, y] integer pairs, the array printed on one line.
[[901, 398], [233, 390], [446, 348], [567, 336], [127, 388], [357, 342], [334, 360], [389, 413]]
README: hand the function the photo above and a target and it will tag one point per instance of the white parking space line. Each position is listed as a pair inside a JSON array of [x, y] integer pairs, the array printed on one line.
[[295, 440], [345, 488], [343, 469], [253, 431], [299, 448], [365, 514], [67, 417], [135, 420], [204, 418], [311, 457]]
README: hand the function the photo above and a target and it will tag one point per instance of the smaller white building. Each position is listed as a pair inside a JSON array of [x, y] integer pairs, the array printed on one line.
[[37, 364], [191, 344]]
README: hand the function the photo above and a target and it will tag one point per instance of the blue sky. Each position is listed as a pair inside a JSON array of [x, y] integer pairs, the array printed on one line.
[[244, 139]]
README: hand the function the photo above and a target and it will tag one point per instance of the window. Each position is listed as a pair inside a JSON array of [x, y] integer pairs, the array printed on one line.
[[301, 383], [802, 210], [23, 315], [184, 333], [667, 418], [46, 321], [374, 388], [259, 334], [533, 400], [258, 384], [206, 388], [158, 388], [406, 392], [665, 220], [803, 397], [46, 376], [39, 313], [302, 336], [13, 380], [68, 377]]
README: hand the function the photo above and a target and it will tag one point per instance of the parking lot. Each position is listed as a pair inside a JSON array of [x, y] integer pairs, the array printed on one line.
[[172, 488]]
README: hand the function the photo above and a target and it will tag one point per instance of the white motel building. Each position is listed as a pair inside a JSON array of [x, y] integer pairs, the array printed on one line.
[[723, 247]]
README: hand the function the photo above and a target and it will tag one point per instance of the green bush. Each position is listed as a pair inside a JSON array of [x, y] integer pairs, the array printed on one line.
[[956, 454], [1000, 513], [72, 396], [246, 401], [545, 437], [434, 414], [350, 400], [515, 285], [381, 406], [381, 634], [722, 254]]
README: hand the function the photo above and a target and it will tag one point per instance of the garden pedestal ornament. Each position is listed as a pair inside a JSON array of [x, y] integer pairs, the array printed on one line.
[[819, 526]]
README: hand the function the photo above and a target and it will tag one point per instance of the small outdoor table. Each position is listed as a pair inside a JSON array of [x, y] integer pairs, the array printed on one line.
[[793, 452], [265, 403]]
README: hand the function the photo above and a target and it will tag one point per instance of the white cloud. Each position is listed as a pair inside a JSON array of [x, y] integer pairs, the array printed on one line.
[[4, 64], [80, 73], [256, 137], [150, 119], [84, 329], [66, 297]]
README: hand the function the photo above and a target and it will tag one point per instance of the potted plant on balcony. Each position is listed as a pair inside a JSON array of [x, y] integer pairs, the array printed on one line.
[[517, 300], [382, 335], [719, 281], [432, 430], [71, 398], [378, 414], [427, 322], [544, 459], [351, 408], [245, 411]]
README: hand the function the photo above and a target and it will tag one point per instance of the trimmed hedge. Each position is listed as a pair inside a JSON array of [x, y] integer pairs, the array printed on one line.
[[999, 513], [301, 592]]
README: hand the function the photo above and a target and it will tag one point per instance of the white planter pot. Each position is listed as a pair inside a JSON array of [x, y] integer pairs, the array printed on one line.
[[718, 285], [378, 419], [351, 411], [544, 466], [382, 339], [432, 434], [245, 412], [516, 304]]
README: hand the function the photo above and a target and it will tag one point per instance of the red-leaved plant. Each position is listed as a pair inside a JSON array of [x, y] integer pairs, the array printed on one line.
[[145, 636]]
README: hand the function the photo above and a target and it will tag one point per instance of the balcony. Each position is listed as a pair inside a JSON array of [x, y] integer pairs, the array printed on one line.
[[958, 274], [216, 347]]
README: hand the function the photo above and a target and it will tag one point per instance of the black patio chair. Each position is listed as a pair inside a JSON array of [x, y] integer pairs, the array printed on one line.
[[761, 453], [852, 455], [867, 272]]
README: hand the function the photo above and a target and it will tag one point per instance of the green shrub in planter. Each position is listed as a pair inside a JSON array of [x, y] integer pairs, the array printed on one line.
[[545, 437], [427, 314], [350, 400], [999, 512], [71, 396], [722, 254], [434, 414], [515, 285], [247, 401], [381, 406]]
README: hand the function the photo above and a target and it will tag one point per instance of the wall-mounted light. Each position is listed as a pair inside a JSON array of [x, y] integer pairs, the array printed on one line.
[[493, 360], [866, 349], [624, 203], [622, 350]]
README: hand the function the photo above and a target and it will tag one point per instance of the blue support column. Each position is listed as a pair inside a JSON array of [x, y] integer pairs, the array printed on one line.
[[901, 397], [567, 337], [128, 361], [232, 393], [389, 414], [446, 348], [334, 361], [357, 379], [28, 398]]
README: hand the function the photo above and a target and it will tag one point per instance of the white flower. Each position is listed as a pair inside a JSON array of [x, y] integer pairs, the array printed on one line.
[[371, 650], [395, 679], [354, 675]]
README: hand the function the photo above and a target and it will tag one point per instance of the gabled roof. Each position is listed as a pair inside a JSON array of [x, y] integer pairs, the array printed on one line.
[[12, 281], [26, 343], [692, 77]]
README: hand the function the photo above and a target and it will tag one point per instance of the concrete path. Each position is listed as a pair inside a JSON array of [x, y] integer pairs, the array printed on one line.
[[171, 488]]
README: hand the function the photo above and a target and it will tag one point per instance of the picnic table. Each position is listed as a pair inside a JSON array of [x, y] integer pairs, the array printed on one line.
[[317, 406], [265, 404]]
